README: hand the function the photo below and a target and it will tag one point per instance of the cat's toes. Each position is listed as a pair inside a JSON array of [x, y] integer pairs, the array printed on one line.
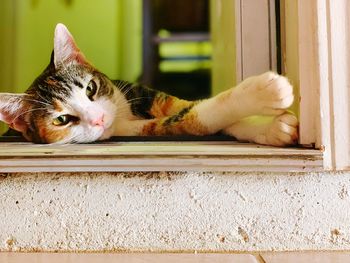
[[266, 94], [276, 93], [283, 131]]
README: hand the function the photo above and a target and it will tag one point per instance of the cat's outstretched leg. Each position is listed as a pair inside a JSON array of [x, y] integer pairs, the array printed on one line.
[[281, 130], [267, 94]]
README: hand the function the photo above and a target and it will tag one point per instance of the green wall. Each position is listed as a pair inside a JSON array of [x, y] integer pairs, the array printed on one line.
[[107, 31], [223, 38], [6, 44], [130, 51]]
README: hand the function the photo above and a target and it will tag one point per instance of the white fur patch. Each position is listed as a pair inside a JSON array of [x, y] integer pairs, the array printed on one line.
[[79, 105]]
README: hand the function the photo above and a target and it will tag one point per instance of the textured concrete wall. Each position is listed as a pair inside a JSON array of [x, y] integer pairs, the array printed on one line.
[[174, 211]]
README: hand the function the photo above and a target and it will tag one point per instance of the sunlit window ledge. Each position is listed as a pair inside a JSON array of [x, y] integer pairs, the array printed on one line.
[[156, 156]]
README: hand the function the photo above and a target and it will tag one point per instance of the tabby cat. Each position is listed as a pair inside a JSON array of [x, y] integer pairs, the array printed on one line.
[[72, 102]]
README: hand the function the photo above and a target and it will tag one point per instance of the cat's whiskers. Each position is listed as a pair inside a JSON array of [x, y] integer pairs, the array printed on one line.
[[127, 91], [45, 100], [120, 104], [126, 107], [121, 112], [139, 98], [38, 101], [25, 112], [120, 100], [122, 85]]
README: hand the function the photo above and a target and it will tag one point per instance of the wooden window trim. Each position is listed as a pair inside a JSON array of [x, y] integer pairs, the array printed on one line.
[[322, 72], [156, 156], [256, 37]]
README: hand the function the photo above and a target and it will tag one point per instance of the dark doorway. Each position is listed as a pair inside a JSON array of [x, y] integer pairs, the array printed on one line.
[[180, 21]]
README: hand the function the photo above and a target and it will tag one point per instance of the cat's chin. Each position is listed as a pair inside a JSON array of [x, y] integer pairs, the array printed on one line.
[[87, 137], [107, 133]]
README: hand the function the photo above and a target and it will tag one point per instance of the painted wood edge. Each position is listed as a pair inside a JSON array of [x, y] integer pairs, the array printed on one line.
[[324, 70], [238, 26], [102, 151], [339, 70], [255, 38], [308, 70], [273, 35], [150, 156], [161, 163], [283, 36]]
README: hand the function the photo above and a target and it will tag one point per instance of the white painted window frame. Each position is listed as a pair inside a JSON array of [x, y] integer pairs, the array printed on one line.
[[322, 74], [255, 25]]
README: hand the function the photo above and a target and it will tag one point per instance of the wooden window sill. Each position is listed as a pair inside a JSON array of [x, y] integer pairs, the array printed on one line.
[[156, 156]]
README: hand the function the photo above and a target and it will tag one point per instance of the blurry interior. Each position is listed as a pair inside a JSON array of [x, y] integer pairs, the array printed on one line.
[[176, 48]]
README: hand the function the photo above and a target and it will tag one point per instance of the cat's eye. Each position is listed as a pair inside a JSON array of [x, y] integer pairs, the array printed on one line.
[[91, 90], [63, 120]]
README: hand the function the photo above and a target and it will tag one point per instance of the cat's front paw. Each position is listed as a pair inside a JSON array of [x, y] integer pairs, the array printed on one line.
[[283, 131], [266, 94]]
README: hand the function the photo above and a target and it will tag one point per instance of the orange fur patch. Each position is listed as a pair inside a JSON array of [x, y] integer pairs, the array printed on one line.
[[150, 129], [161, 105], [165, 105], [58, 105], [179, 105], [51, 82], [50, 133], [186, 125], [193, 126]]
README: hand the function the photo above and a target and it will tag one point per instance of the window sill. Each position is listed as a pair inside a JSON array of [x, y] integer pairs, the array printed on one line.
[[156, 156]]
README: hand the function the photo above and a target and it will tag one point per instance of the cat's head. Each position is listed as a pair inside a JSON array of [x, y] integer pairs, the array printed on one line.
[[69, 102]]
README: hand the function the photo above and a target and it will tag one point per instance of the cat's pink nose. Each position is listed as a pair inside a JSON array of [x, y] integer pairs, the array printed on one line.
[[98, 121]]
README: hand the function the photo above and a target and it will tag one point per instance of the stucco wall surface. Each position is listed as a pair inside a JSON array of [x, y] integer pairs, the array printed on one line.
[[174, 211]]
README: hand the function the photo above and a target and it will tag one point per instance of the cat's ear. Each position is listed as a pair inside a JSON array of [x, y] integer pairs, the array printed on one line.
[[65, 48], [12, 111]]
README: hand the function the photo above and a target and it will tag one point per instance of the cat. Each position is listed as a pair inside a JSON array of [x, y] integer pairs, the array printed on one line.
[[73, 102]]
